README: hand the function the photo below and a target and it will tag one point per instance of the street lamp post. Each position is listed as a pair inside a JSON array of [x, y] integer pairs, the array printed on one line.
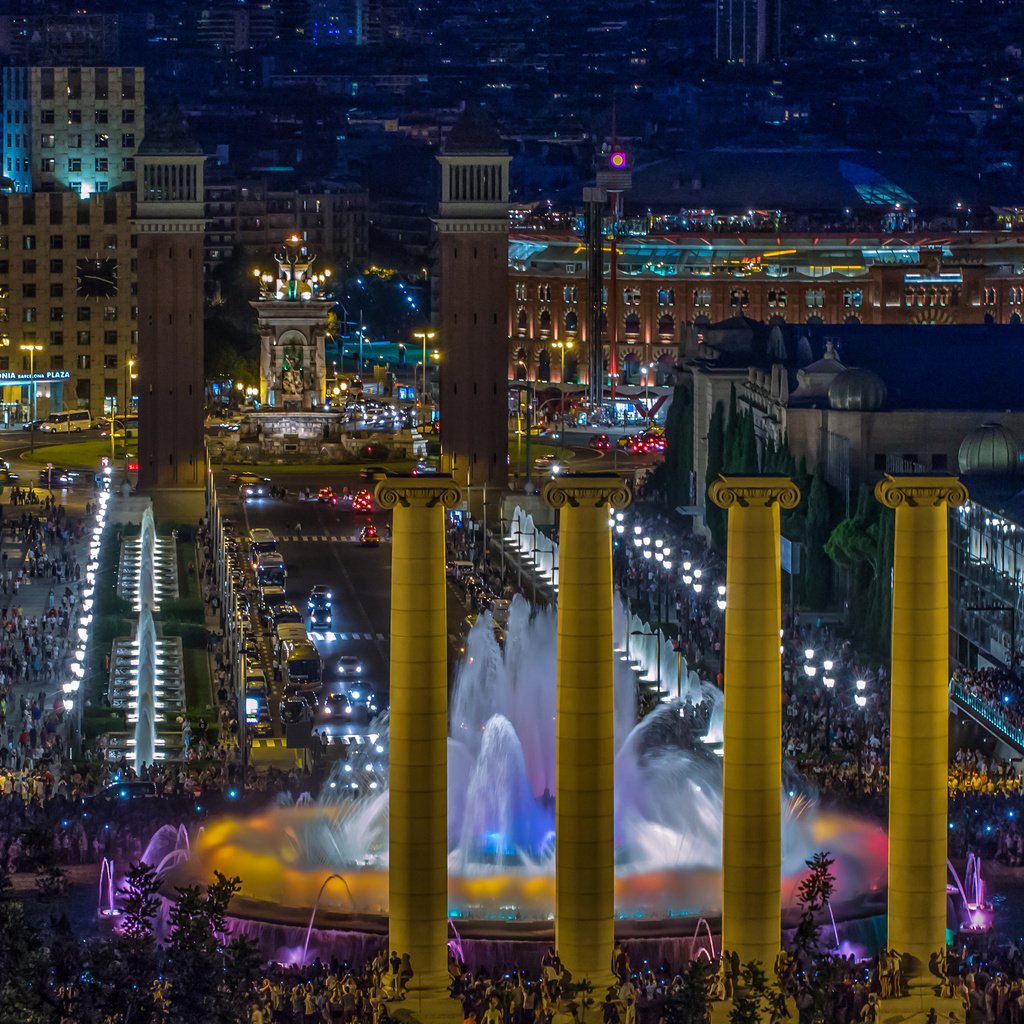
[[562, 346], [423, 336], [32, 350]]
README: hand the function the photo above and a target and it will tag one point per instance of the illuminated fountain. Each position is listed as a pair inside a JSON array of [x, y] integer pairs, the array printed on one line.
[[146, 678], [501, 817]]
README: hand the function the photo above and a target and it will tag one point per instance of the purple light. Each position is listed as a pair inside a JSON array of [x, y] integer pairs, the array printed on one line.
[[618, 159]]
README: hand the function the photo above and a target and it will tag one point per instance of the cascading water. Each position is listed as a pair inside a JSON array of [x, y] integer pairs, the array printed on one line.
[[145, 637], [501, 781]]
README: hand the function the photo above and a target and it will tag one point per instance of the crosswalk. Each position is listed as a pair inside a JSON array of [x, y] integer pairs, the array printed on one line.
[[330, 636], [321, 538]]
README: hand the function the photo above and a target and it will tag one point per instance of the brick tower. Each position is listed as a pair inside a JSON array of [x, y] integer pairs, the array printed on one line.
[[472, 224], [169, 222]]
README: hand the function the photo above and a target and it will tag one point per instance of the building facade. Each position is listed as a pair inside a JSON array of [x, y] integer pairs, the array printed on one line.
[[75, 128], [332, 220], [69, 283], [668, 285]]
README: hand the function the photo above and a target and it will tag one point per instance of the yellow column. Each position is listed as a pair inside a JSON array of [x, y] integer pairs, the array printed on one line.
[[752, 769], [418, 848], [919, 716], [585, 725]]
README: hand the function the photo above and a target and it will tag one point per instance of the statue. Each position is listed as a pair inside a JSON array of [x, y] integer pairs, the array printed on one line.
[[292, 382]]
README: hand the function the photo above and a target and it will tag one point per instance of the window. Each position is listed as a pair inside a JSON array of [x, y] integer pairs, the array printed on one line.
[[56, 241], [83, 241], [85, 362], [28, 241], [739, 298], [631, 296], [74, 140], [4, 314], [74, 117], [109, 313], [777, 298], [48, 164], [110, 361], [83, 338], [544, 292], [28, 266], [57, 338], [128, 140], [28, 291], [56, 314], [102, 140], [28, 314], [102, 186], [127, 117], [84, 313], [852, 298], [110, 337], [666, 296], [74, 83], [75, 163], [56, 290], [570, 293], [520, 291], [128, 163], [56, 362], [47, 141], [102, 84], [101, 117], [102, 163], [702, 297], [127, 83], [56, 266], [46, 117], [814, 298]]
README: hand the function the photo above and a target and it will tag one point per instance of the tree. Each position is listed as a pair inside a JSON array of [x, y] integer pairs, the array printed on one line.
[[853, 545], [690, 1004], [24, 969], [713, 515], [140, 902], [678, 465], [813, 895]]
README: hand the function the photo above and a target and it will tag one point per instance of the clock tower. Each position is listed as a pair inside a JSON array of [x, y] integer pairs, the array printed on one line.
[[472, 226], [169, 222]]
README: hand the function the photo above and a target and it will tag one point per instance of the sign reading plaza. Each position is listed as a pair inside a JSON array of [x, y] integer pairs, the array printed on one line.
[[10, 377]]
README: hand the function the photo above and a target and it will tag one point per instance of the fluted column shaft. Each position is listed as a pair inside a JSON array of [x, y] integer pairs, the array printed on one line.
[[585, 725], [919, 715], [418, 772], [752, 769]]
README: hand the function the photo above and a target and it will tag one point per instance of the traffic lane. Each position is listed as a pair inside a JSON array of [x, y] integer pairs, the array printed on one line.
[[360, 578]]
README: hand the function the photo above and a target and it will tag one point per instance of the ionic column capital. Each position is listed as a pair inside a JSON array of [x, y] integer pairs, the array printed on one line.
[[587, 490], [418, 492], [754, 492], [915, 491]]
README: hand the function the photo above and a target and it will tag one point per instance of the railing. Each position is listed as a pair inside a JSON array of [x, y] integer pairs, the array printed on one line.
[[985, 711]]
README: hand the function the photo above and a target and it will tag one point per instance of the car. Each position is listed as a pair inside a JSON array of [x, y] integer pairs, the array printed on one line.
[[264, 724], [320, 596], [320, 617], [369, 537], [53, 476], [373, 472], [625, 441], [550, 463], [248, 491], [350, 666], [255, 682], [362, 501], [32, 424], [285, 613], [248, 478], [422, 469], [337, 704], [327, 495], [601, 443], [363, 700], [294, 709], [134, 790]]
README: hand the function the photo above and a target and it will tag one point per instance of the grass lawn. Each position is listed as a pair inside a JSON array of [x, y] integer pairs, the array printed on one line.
[[188, 585], [198, 695], [74, 454]]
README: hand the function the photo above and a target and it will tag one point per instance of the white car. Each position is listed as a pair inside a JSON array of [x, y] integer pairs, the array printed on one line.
[[350, 666]]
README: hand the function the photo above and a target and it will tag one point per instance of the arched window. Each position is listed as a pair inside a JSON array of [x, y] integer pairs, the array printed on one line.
[[520, 361], [543, 365], [667, 326], [545, 321], [572, 321], [632, 324], [522, 321]]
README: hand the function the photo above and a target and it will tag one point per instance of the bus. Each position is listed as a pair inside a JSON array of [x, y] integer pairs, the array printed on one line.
[[287, 632], [270, 570], [301, 664], [261, 542], [74, 421]]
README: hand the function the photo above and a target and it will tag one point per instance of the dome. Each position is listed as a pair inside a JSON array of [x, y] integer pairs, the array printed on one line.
[[857, 390], [990, 448]]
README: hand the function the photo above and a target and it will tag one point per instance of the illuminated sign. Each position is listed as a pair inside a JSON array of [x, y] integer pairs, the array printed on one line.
[[618, 159], [10, 377]]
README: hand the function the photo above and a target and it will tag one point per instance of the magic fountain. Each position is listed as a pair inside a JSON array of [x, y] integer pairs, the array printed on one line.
[[501, 765]]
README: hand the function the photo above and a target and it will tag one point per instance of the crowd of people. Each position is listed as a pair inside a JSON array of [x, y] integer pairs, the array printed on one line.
[[1001, 689]]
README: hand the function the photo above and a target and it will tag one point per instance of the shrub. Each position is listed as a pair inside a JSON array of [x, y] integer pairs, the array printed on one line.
[[191, 634], [183, 609]]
